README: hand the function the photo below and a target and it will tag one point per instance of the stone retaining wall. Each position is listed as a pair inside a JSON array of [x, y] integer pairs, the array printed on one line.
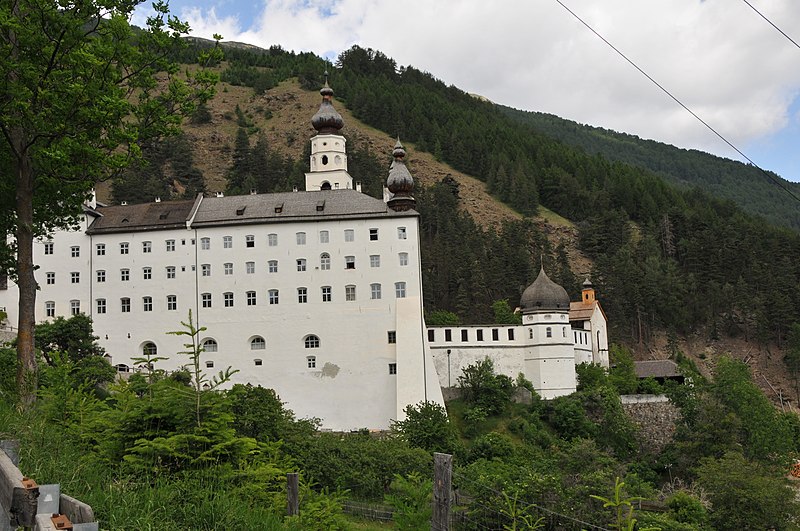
[[655, 417]]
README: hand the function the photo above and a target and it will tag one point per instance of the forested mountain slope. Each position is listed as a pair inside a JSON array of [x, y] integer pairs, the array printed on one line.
[[744, 184]]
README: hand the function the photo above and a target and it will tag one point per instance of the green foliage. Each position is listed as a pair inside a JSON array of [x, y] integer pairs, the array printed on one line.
[[504, 314], [622, 374], [8, 375], [411, 497], [622, 506], [567, 416], [484, 389], [442, 318], [792, 356], [491, 446], [590, 376], [426, 426], [687, 509], [73, 337]]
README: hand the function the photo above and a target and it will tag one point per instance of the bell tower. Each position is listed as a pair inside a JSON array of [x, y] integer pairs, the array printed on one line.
[[328, 153]]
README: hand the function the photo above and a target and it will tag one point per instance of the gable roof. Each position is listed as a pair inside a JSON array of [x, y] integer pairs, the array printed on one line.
[[144, 217], [656, 369]]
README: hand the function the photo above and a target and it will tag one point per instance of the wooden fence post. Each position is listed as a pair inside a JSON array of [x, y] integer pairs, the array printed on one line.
[[442, 483], [292, 494]]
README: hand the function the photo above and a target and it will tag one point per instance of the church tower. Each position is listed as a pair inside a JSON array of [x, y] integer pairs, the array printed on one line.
[[328, 153], [549, 345]]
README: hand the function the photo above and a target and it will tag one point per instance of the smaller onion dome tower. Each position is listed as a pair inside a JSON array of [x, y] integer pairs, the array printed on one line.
[[549, 342], [328, 152], [400, 183]]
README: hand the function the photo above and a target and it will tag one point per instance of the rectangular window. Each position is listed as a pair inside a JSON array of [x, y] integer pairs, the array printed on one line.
[[301, 264], [48, 249], [75, 251], [170, 271], [431, 335], [401, 233], [324, 237], [170, 245], [227, 242], [349, 262], [273, 296], [101, 306], [249, 241], [50, 309], [123, 248], [301, 238], [172, 302], [373, 235], [479, 334], [147, 247], [465, 335], [326, 294], [392, 368], [349, 235], [311, 362], [251, 298], [228, 299], [101, 276], [227, 268], [100, 248], [51, 277], [124, 275], [147, 304], [258, 362], [448, 335], [75, 277], [272, 240], [250, 267], [392, 337], [511, 334], [125, 305], [147, 273], [375, 291], [374, 260], [403, 259], [272, 266], [74, 307], [400, 289], [205, 244], [206, 300], [302, 295], [495, 334], [350, 293], [205, 270]]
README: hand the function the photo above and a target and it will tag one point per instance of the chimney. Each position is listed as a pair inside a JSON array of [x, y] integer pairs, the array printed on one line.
[[358, 186]]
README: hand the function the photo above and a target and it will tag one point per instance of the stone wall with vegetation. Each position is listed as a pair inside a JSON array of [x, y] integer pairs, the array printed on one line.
[[655, 417]]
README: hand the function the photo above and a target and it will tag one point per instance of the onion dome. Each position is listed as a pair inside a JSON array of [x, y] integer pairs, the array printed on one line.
[[327, 120], [544, 295], [587, 284], [399, 182]]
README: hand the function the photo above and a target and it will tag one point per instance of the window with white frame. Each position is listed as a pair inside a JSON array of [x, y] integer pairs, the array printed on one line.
[[124, 248], [170, 245], [101, 305], [327, 295], [205, 244], [349, 262], [401, 233], [548, 332], [251, 298], [48, 249], [324, 236], [311, 341], [227, 242], [272, 240], [373, 235], [325, 261], [147, 273], [210, 345], [172, 302], [301, 238], [100, 249], [209, 364], [75, 251], [403, 259], [50, 309], [258, 343], [170, 271], [350, 293], [311, 362], [149, 349], [100, 275], [205, 299], [272, 266], [392, 368], [75, 277], [249, 240], [301, 264], [227, 268], [74, 307], [400, 289], [374, 291], [250, 267], [273, 296], [374, 260], [124, 275], [50, 277], [349, 235], [302, 295], [147, 304], [227, 299], [147, 247], [205, 270], [125, 305], [392, 337]]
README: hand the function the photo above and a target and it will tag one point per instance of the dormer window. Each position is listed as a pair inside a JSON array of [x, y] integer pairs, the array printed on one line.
[[240, 211], [320, 206], [279, 208]]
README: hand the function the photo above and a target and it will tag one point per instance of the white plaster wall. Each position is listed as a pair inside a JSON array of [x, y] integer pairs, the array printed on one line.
[[599, 328]]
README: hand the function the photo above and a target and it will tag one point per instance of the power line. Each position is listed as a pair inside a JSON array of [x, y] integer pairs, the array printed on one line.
[[771, 23], [679, 102]]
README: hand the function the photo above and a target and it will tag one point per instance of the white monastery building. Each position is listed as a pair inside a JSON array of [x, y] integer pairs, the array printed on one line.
[[316, 294]]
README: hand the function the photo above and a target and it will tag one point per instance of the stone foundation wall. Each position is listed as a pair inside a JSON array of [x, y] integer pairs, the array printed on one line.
[[655, 417]]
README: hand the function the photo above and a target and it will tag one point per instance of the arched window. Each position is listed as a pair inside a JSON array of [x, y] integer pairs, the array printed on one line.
[[311, 341], [325, 261], [149, 349], [564, 330], [325, 186], [324, 160], [258, 343], [210, 345]]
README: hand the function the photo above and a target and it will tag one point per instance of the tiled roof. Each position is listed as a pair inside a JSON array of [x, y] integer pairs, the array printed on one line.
[[148, 216], [581, 311], [656, 369]]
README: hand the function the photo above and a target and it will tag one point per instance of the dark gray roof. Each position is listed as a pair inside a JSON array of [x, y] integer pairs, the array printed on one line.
[[544, 295], [144, 217], [656, 369]]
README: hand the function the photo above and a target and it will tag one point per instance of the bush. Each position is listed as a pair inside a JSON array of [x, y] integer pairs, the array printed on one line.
[[484, 389], [426, 426]]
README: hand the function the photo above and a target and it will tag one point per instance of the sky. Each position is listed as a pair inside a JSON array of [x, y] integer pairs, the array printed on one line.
[[719, 57]]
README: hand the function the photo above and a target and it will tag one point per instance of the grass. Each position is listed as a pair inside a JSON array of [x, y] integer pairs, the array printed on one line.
[[553, 218]]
